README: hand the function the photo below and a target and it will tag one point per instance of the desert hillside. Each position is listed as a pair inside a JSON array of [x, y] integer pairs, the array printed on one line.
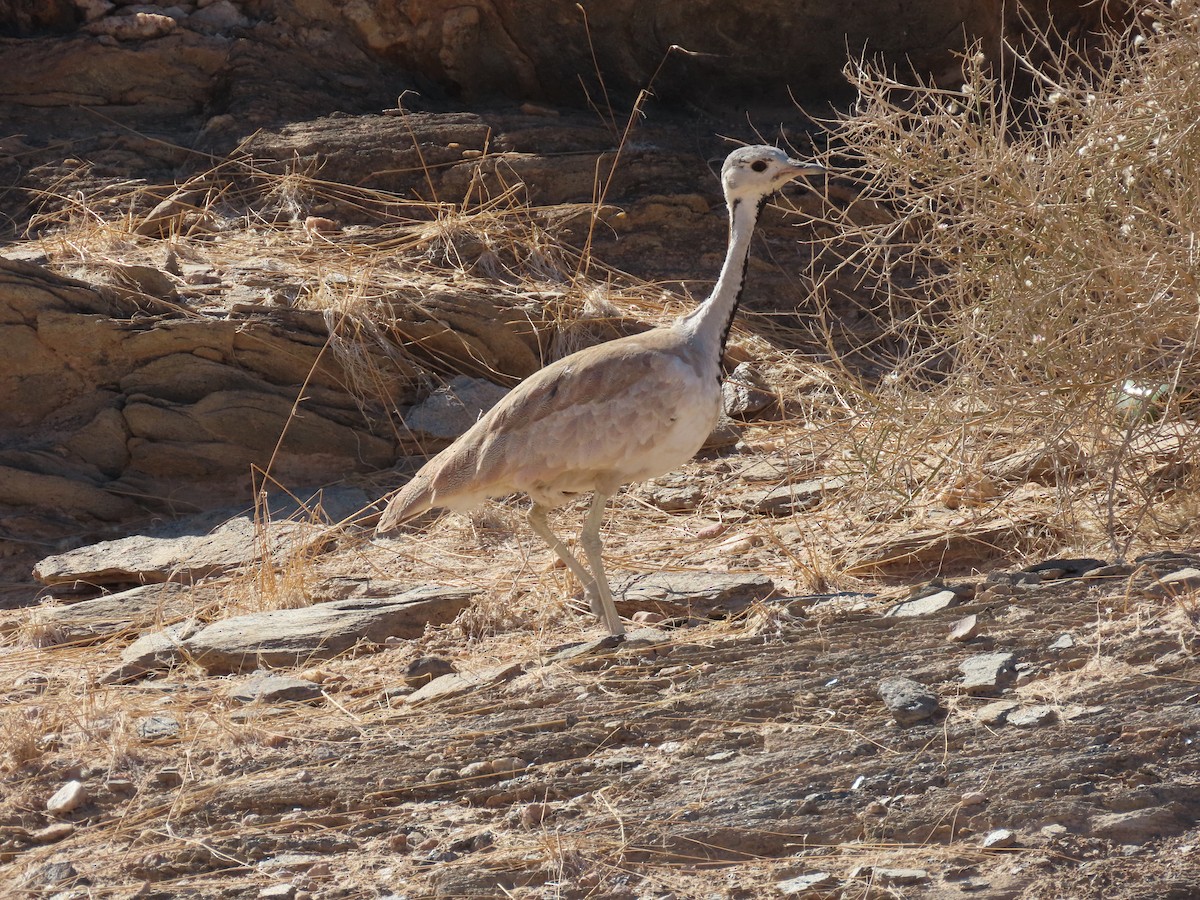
[[918, 620]]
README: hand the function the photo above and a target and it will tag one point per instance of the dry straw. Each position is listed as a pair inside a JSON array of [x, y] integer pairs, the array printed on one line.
[[1029, 240]]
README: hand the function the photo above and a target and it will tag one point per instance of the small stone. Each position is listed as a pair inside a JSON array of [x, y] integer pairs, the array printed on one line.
[[596, 646], [1063, 642], [648, 617], [457, 683], [908, 701], [504, 765], [1114, 571], [398, 843], [1181, 581], [1065, 567], [395, 692], [57, 872], [1138, 826], [217, 17], [813, 884], [998, 839], [275, 689], [321, 676], [964, 629], [67, 798], [1032, 716], [992, 714], [452, 409], [972, 798], [36, 682], [278, 892], [424, 669], [924, 606], [745, 393], [168, 778], [52, 833], [158, 728], [891, 876], [985, 673], [314, 225], [535, 814]]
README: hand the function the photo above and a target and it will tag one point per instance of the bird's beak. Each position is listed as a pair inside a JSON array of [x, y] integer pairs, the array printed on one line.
[[799, 169]]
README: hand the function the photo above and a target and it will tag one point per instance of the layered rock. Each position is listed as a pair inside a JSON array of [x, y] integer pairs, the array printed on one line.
[[111, 405]]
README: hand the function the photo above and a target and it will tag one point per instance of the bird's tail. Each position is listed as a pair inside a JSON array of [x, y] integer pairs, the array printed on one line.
[[407, 503]]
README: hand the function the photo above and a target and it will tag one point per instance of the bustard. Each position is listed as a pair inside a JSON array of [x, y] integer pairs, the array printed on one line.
[[608, 415]]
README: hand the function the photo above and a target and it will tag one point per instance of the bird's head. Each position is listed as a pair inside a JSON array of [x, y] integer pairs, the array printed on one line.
[[754, 173]]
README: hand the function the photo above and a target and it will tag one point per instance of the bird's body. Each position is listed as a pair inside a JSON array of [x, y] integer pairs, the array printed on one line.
[[612, 414], [553, 435]]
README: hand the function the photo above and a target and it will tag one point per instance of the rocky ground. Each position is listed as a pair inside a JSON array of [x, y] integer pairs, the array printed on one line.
[[232, 322], [298, 729]]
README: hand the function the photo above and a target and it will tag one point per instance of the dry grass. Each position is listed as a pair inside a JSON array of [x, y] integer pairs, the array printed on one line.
[[1031, 268], [995, 279]]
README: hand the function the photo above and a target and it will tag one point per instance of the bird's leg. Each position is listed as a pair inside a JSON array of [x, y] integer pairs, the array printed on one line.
[[537, 521], [592, 548]]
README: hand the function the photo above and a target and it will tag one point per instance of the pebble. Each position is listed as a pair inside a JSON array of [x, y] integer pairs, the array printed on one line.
[[1179, 582], [964, 629], [275, 688], [924, 606], [746, 393], [278, 892], [1032, 716], [999, 839], [995, 713], [1065, 567], [1063, 642], [1137, 826], [52, 833], [476, 769], [158, 728], [806, 884], [424, 669], [648, 617], [503, 765], [1113, 571], [535, 814], [67, 798], [892, 876], [973, 798], [36, 682], [987, 672], [320, 225], [908, 701], [321, 676]]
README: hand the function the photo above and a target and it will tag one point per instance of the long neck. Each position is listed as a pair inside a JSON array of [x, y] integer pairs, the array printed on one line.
[[711, 321]]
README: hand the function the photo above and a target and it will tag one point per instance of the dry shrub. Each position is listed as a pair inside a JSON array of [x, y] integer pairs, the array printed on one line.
[[1035, 255]]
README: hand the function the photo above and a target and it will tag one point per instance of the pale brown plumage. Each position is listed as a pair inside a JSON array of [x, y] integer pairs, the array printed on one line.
[[612, 414]]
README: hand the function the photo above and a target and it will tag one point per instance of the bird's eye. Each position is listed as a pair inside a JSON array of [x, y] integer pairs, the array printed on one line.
[[758, 165]]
